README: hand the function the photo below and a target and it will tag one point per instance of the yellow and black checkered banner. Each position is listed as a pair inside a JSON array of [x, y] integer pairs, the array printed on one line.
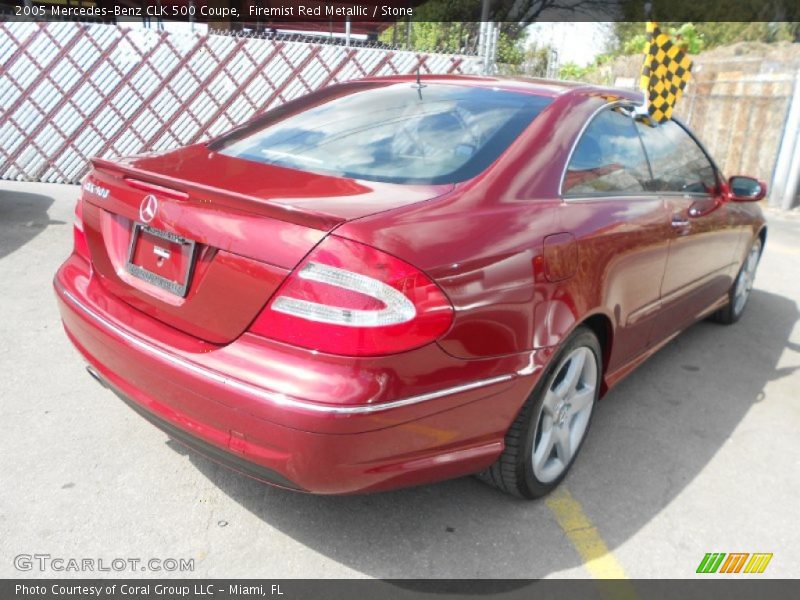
[[665, 72]]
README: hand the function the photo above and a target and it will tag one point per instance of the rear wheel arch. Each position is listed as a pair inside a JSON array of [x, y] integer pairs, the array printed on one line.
[[762, 233], [601, 325], [515, 470]]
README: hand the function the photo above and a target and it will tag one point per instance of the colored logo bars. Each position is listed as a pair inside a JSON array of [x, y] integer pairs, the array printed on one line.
[[736, 562]]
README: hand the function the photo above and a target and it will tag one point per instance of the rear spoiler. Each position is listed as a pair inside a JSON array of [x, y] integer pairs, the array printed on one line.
[[182, 189]]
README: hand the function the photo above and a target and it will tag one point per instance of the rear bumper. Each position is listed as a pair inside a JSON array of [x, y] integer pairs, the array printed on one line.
[[220, 456], [294, 418]]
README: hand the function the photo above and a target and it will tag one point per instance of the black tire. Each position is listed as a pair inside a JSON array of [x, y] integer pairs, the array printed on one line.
[[513, 471], [728, 314]]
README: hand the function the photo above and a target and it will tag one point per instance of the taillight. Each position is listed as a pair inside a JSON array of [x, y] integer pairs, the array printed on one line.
[[350, 299], [78, 235]]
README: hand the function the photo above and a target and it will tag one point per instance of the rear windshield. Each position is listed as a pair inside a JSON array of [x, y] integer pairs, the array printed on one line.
[[396, 133]]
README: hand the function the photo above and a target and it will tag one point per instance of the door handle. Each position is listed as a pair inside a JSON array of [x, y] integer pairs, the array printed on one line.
[[679, 221]]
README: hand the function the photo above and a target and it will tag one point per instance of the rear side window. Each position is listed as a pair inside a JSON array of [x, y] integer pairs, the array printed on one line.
[[608, 159], [395, 133], [677, 162]]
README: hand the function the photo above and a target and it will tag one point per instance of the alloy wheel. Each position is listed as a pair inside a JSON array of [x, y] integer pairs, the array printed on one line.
[[744, 283], [565, 413]]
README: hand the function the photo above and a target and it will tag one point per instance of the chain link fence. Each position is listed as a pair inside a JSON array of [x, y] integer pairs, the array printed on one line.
[[70, 91]]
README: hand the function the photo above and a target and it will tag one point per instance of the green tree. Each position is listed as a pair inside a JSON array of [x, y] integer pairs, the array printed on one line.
[[451, 25], [456, 37], [535, 62], [630, 38], [574, 72], [718, 34]]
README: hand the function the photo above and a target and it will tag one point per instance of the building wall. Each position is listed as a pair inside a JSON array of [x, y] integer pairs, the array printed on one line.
[[738, 108], [737, 102]]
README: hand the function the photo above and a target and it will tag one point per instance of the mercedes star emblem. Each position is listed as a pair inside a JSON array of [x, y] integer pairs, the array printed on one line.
[[148, 208]]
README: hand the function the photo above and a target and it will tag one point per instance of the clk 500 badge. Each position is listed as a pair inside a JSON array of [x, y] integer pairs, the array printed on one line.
[[95, 189]]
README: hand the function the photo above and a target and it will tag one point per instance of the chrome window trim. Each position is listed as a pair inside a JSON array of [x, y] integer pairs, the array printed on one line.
[[277, 398], [632, 196], [609, 197]]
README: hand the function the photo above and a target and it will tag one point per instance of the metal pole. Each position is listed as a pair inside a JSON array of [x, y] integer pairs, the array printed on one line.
[[493, 53], [552, 64], [484, 35], [793, 180], [787, 167], [488, 39], [347, 32], [485, 47], [491, 31]]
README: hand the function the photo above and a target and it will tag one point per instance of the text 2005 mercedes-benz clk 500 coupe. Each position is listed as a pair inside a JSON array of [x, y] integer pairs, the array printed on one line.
[[391, 282]]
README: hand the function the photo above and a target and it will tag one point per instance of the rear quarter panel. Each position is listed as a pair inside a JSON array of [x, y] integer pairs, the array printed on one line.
[[483, 242]]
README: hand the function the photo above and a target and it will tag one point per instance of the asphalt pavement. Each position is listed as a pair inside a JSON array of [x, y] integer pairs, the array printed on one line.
[[697, 451]]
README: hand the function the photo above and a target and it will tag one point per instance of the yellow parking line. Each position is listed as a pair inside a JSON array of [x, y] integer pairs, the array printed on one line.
[[586, 539]]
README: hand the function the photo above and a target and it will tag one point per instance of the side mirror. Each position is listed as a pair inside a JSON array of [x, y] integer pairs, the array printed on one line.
[[746, 189]]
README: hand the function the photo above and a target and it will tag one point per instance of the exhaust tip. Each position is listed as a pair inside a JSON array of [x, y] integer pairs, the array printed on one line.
[[95, 375]]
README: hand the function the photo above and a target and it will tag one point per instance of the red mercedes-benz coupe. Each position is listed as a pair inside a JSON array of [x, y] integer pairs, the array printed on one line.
[[391, 282]]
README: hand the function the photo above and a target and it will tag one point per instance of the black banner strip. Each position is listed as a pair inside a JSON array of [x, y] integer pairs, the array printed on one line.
[[282, 13], [399, 589]]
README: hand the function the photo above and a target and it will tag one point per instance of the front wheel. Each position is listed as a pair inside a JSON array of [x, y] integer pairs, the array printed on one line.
[[740, 290], [546, 436]]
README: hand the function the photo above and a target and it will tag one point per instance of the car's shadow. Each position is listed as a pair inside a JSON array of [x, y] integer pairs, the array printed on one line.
[[651, 437], [23, 216]]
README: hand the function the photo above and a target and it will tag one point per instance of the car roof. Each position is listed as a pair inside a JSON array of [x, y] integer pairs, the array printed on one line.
[[539, 87]]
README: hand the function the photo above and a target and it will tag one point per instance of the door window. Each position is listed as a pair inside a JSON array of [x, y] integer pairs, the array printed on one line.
[[608, 159], [677, 162]]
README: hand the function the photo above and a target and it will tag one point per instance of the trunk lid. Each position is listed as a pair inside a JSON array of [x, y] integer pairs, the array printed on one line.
[[201, 241]]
